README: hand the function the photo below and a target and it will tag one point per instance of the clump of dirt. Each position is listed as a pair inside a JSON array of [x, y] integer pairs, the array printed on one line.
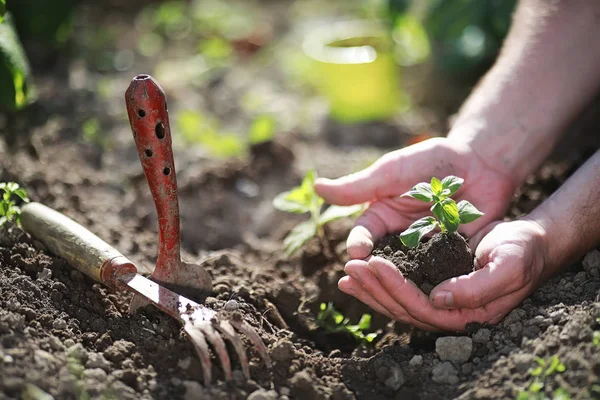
[[442, 257]]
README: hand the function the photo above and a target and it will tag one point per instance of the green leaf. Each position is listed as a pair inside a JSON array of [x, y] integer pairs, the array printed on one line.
[[537, 371], [421, 191], [596, 339], [3, 220], [561, 394], [447, 213], [536, 386], [452, 183], [2, 185], [336, 212], [262, 129], [12, 186], [282, 203], [16, 92], [370, 337], [22, 194], [298, 236], [412, 236], [468, 212], [365, 322], [300, 199], [436, 186]]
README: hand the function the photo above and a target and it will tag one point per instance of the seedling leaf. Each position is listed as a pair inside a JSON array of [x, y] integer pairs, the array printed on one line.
[[336, 212], [283, 202], [468, 212], [436, 186], [596, 339], [421, 191], [536, 386], [446, 212], [298, 236], [301, 199], [412, 236], [452, 183], [262, 129]]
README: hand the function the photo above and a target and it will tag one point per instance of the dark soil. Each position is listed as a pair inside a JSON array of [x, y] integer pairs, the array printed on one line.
[[442, 257], [70, 337]]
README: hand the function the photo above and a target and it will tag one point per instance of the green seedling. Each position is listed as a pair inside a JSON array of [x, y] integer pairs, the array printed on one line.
[[449, 214], [303, 199], [334, 322], [544, 369], [8, 208]]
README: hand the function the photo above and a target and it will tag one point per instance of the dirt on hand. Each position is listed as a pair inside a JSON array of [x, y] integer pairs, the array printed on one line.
[[443, 256]]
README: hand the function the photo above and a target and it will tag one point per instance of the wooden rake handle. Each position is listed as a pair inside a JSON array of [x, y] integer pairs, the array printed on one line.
[[77, 245]]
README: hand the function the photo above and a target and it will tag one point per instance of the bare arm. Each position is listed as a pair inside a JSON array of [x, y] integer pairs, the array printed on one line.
[[548, 70]]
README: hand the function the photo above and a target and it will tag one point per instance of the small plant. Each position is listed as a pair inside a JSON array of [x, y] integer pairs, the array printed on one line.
[[8, 208], [543, 370], [449, 214], [334, 322], [303, 199], [596, 337]]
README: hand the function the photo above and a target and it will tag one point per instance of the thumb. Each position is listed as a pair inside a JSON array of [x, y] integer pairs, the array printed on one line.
[[381, 179]]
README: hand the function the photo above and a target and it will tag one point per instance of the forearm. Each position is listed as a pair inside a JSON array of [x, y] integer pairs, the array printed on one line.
[[548, 70], [570, 218]]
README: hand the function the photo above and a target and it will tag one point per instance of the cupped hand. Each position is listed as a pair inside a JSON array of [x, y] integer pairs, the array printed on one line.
[[509, 262], [395, 173]]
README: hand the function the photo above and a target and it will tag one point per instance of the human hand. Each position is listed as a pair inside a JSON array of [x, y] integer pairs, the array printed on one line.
[[395, 173], [509, 263]]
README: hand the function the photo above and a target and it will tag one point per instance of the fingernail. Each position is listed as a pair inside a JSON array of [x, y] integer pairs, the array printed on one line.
[[443, 300]]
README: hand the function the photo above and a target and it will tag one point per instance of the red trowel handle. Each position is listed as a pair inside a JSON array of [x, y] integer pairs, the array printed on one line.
[[147, 110]]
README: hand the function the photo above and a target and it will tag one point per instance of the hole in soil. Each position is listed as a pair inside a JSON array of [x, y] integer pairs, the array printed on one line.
[[167, 171], [141, 113], [159, 129], [149, 153]]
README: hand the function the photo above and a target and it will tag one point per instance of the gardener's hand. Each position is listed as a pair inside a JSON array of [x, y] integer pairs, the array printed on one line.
[[395, 173], [509, 265]]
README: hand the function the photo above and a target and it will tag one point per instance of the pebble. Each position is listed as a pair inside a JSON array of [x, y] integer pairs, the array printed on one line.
[[55, 343], [283, 350], [232, 305], [467, 368], [96, 374], [119, 351], [523, 362], [416, 361], [59, 324], [454, 348], [123, 392], [69, 342], [395, 379], [97, 360], [46, 273], [579, 278], [262, 394], [445, 373], [184, 363], [482, 336]]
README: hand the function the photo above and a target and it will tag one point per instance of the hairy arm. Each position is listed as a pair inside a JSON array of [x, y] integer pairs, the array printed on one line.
[[571, 217], [548, 70]]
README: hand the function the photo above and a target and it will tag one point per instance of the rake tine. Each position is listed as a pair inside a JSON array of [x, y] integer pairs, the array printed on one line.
[[230, 334], [251, 333], [218, 344], [197, 338]]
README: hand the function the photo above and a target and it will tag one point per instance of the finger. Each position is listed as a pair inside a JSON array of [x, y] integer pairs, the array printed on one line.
[[499, 276], [361, 272], [378, 220], [381, 179], [352, 287]]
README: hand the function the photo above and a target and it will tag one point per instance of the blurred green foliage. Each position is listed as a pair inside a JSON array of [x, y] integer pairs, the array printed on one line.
[[15, 88], [467, 34], [47, 21]]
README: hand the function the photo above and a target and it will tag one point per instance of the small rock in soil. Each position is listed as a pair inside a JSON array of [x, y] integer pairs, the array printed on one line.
[[184, 363], [415, 361], [591, 261], [46, 273], [96, 374], [262, 394], [302, 384], [97, 360], [118, 351], [59, 324], [482, 336], [454, 348], [445, 373], [232, 305], [283, 350], [123, 392]]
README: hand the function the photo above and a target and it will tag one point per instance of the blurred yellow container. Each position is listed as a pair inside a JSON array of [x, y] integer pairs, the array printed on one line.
[[355, 70]]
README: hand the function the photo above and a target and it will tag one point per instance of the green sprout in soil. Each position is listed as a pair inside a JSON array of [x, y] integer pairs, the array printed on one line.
[[303, 199], [334, 322], [8, 208], [544, 369], [596, 337], [449, 214]]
